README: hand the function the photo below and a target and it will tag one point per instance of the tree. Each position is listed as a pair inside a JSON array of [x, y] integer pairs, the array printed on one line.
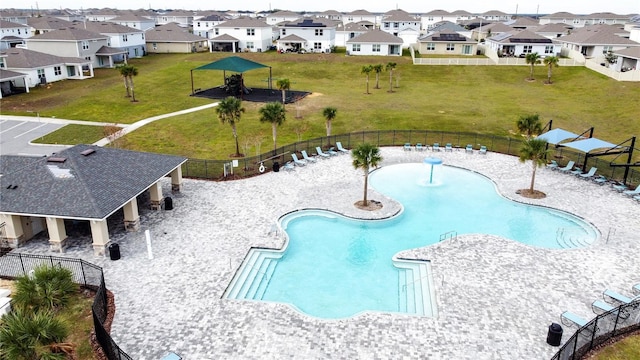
[[364, 157], [283, 85], [551, 62], [529, 125], [128, 72], [49, 288], [329, 114], [390, 67], [378, 68], [532, 59], [367, 69], [535, 150], [229, 111], [273, 113], [124, 72], [27, 335]]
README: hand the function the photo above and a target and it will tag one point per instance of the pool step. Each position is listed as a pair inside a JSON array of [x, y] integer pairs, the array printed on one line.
[[415, 293], [568, 242], [253, 276]]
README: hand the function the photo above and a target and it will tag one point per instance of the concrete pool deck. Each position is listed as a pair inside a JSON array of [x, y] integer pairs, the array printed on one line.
[[496, 297]]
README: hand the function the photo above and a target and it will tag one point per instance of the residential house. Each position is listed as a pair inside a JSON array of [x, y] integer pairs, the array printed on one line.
[[133, 21], [67, 15], [429, 19], [562, 18], [41, 68], [182, 18], [462, 15], [553, 30], [495, 15], [282, 16], [102, 14], [45, 24], [489, 30], [12, 34], [628, 59], [129, 40], [12, 82], [446, 42], [241, 34], [331, 15], [605, 18], [523, 23], [345, 32], [171, 38], [203, 26], [14, 16], [522, 42], [359, 15], [449, 26], [403, 25], [375, 42], [595, 41], [312, 35], [76, 42]]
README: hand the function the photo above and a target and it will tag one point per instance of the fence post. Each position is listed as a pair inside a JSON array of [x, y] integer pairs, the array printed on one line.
[[84, 277], [24, 272]]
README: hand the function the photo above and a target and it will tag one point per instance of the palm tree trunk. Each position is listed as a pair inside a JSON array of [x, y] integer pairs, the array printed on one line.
[[328, 128], [377, 81], [133, 94], [274, 131], [235, 136], [549, 75], [531, 73], [367, 83], [366, 180], [126, 85], [533, 176], [390, 80], [284, 96]]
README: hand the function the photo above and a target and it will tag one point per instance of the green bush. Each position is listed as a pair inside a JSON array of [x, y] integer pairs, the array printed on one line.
[[28, 335], [48, 288]]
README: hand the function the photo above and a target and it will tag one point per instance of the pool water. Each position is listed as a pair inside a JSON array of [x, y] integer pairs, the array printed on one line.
[[335, 267]]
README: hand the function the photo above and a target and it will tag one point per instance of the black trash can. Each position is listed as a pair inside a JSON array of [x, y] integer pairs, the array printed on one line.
[[554, 336], [168, 203], [114, 251], [276, 166]]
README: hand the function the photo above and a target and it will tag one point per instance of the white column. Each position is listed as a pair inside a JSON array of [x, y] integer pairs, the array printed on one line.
[[100, 236], [176, 179], [131, 217], [57, 233], [13, 232], [156, 196]]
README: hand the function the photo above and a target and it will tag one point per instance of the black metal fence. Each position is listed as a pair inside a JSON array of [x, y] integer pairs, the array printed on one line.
[[85, 274], [619, 321], [250, 166]]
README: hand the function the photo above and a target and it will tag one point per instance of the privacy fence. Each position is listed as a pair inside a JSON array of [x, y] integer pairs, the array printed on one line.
[[619, 321], [87, 275], [251, 166]]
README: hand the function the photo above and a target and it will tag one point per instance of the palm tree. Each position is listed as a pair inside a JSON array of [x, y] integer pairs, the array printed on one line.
[[390, 67], [229, 111], [32, 335], [529, 125], [532, 59], [128, 72], [329, 114], [364, 157], [367, 69], [378, 69], [550, 61], [273, 113], [124, 72], [535, 150], [283, 85], [50, 288]]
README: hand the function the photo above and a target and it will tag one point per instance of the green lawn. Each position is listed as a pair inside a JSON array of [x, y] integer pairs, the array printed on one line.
[[482, 99], [625, 349]]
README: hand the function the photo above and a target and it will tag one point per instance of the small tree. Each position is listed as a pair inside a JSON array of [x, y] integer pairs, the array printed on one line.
[[532, 59], [50, 288], [529, 125], [300, 128], [378, 68], [551, 62], [610, 57], [33, 335], [273, 113], [535, 150], [124, 72], [365, 156], [283, 85], [329, 114], [390, 67], [229, 111], [367, 69], [128, 72]]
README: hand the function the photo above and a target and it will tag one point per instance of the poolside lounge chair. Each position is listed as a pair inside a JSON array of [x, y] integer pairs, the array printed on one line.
[[599, 307], [483, 150], [171, 356], [613, 296], [340, 148], [568, 167], [568, 318], [436, 147], [332, 152], [419, 147], [553, 165], [469, 149], [448, 147], [590, 174], [320, 153], [298, 162], [636, 289], [307, 157], [600, 180], [636, 198], [407, 147], [576, 172], [632, 192], [620, 187]]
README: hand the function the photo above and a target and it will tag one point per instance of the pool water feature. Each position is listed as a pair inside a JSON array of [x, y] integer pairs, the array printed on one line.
[[336, 267]]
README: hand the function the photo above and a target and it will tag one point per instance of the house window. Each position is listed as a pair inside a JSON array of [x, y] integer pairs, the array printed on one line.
[[527, 49], [154, 46], [431, 46], [395, 25], [198, 24], [251, 32], [87, 58], [216, 31], [41, 74], [319, 32], [142, 36], [85, 45], [355, 47], [249, 44], [124, 37], [135, 52], [284, 32], [451, 46], [386, 25], [606, 49], [430, 18], [57, 70], [548, 49], [317, 46], [375, 47]]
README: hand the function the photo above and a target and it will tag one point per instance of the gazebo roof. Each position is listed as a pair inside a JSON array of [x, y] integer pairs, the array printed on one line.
[[557, 136], [589, 144], [232, 63]]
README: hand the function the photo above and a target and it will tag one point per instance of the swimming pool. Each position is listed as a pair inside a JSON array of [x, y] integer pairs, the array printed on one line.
[[335, 267]]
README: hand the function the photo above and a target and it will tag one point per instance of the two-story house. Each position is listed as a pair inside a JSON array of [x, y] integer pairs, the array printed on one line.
[[131, 20], [358, 16], [495, 15], [522, 42], [429, 19], [42, 25], [375, 42], [182, 18], [401, 24], [131, 41], [282, 16], [12, 34], [312, 35], [595, 42], [171, 38], [345, 32], [203, 26], [241, 34]]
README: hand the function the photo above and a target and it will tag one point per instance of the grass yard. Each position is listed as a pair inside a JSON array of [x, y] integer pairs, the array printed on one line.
[[625, 349], [482, 99]]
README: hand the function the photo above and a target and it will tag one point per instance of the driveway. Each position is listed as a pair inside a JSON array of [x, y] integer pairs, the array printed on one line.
[[16, 136]]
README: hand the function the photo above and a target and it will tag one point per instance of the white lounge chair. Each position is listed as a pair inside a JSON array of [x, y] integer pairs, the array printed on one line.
[[288, 166], [407, 147], [567, 168], [469, 149], [436, 147], [616, 297], [599, 307], [307, 157], [448, 147], [553, 165], [483, 150], [632, 192], [590, 174], [320, 153], [419, 147], [568, 318], [341, 148], [298, 162], [636, 289]]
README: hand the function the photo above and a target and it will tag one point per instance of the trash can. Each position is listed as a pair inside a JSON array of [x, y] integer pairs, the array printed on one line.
[[554, 336], [276, 166], [168, 203], [114, 251]]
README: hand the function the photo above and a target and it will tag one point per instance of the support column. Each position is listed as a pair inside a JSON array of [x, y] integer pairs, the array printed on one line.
[[176, 179], [156, 196], [57, 234], [100, 236], [13, 232], [131, 217]]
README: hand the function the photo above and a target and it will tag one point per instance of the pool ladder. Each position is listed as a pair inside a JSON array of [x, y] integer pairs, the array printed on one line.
[[448, 235]]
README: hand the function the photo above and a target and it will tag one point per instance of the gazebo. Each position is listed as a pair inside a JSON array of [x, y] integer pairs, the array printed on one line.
[[232, 63]]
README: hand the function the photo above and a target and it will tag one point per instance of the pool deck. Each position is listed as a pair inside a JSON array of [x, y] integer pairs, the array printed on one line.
[[496, 297]]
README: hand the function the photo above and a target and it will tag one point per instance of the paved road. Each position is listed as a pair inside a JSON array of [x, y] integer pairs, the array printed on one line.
[[16, 135]]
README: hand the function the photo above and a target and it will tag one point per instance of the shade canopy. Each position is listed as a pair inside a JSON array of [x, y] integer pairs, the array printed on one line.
[[557, 136], [587, 145], [232, 63]]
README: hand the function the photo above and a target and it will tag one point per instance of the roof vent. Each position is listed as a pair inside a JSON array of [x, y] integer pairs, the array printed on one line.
[[88, 152], [56, 159]]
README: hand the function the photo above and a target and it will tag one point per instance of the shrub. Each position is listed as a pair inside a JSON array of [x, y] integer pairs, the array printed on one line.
[[47, 288]]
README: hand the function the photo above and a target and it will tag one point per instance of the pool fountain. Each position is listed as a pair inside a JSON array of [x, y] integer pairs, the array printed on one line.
[[432, 161]]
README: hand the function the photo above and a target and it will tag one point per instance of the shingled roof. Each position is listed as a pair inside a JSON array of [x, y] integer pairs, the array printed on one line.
[[171, 32], [72, 33], [376, 36], [18, 58], [91, 186]]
